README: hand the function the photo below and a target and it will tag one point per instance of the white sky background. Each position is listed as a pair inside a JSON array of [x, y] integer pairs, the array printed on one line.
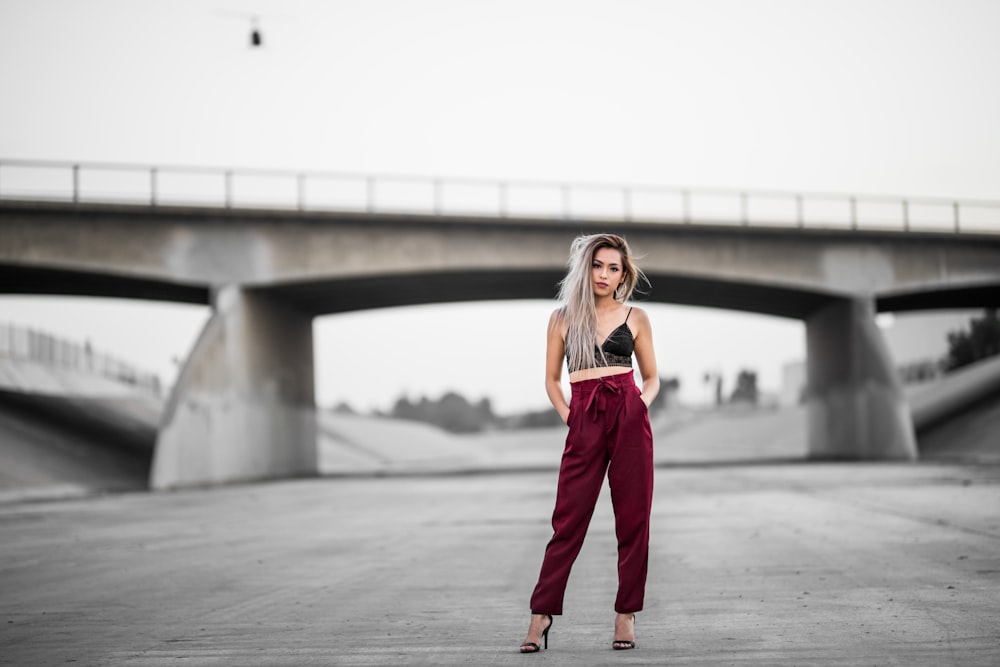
[[876, 96]]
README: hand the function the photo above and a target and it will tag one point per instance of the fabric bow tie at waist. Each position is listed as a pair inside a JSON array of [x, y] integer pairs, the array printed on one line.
[[597, 401]]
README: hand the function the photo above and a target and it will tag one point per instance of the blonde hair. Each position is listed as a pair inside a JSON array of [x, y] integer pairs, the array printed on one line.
[[576, 293]]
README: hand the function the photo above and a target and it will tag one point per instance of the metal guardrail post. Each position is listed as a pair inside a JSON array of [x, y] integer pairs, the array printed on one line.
[[152, 186], [76, 183], [906, 216], [854, 213], [229, 188], [955, 207], [800, 212]]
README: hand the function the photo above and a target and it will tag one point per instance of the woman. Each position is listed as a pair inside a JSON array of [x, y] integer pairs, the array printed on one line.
[[597, 333]]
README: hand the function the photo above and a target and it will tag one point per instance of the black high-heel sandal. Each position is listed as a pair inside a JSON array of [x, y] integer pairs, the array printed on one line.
[[624, 644], [532, 647]]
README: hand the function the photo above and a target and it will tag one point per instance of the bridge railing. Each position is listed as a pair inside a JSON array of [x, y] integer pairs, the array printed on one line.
[[95, 182], [26, 344]]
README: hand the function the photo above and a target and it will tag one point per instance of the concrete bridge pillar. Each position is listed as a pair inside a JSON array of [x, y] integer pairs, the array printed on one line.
[[855, 400], [243, 407]]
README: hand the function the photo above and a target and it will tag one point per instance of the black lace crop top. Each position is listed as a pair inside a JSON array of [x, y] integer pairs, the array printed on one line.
[[617, 347]]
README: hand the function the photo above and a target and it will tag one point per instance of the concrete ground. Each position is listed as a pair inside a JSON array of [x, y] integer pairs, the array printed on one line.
[[768, 564]]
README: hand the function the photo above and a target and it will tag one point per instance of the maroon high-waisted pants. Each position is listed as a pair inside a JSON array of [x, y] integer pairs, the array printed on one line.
[[608, 432]]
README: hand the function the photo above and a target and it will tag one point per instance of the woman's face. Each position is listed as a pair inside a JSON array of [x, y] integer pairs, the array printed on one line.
[[606, 272]]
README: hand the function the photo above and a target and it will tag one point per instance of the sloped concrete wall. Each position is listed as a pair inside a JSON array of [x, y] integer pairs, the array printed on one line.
[[955, 392]]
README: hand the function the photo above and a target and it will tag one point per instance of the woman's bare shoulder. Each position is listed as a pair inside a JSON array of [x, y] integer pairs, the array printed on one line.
[[639, 320], [639, 314]]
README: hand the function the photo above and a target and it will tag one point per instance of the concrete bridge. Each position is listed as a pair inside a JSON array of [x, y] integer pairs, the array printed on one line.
[[243, 407]]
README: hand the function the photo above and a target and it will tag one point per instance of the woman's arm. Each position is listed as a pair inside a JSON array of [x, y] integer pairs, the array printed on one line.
[[645, 355], [555, 351]]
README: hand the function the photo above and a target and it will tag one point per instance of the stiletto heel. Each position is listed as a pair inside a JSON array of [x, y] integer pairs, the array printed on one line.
[[624, 644], [532, 647]]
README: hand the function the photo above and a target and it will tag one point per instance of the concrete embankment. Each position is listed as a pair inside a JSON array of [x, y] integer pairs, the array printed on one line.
[[957, 418], [68, 433], [44, 458], [956, 393], [123, 414]]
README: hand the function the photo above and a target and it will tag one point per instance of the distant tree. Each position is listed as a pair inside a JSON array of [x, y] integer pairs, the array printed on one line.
[[404, 409], [452, 412], [456, 414], [344, 408], [544, 418], [980, 341], [746, 388]]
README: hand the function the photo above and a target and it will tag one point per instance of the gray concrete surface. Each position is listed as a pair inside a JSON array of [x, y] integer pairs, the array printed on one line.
[[771, 564]]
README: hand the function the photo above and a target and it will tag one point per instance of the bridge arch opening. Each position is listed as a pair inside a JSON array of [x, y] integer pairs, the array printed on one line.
[[495, 350]]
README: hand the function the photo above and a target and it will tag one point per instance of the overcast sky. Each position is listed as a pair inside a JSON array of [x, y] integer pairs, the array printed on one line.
[[873, 97]]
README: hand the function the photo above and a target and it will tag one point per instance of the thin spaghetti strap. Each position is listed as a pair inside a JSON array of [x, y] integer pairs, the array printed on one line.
[[626, 316]]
